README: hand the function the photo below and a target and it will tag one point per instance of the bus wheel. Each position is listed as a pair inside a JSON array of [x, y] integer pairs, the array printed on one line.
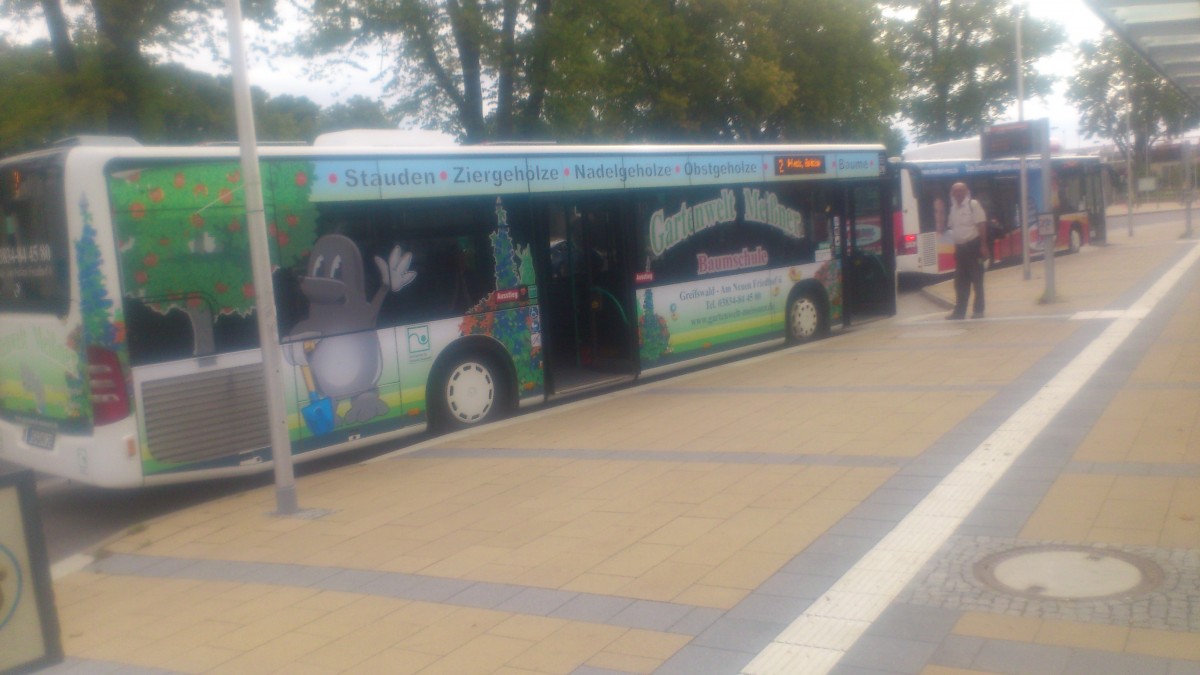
[[468, 391], [1076, 241], [805, 320]]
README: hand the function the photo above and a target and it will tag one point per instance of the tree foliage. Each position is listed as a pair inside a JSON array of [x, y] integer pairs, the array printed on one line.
[[35, 108], [452, 57], [1114, 87], [121, 37], [570, 70], [738, 70], [356, 112], [40, 105], [623, 69], [961, 62]]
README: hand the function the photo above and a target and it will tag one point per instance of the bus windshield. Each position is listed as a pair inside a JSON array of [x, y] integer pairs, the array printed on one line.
[[33, 238]]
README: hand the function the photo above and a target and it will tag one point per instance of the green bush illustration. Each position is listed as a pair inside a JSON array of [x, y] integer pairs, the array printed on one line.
[[654, 337], [511, 326]]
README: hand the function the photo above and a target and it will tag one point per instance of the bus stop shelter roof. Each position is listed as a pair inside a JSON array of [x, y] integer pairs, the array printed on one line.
[[1166, 32]]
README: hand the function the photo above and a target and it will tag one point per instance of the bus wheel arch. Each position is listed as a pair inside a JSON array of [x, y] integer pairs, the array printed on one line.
[[472, 382], [807, 313]]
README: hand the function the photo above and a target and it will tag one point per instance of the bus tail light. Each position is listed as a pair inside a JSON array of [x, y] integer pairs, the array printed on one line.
[[110, 398], [908, 244]]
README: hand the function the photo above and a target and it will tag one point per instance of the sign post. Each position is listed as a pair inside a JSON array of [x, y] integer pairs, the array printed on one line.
[[1022, 208], [1048, 244]]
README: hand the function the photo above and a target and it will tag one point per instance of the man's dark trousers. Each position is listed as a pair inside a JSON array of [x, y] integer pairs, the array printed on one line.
[[968, 272]]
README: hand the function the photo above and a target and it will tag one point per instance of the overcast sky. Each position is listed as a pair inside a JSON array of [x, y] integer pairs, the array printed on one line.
[[1080, 24]]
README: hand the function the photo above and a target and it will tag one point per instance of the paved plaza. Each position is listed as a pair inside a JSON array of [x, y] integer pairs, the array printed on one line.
[[1017, 494]]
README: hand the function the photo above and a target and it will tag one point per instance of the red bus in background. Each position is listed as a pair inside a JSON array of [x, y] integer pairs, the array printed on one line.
[[923, 187]]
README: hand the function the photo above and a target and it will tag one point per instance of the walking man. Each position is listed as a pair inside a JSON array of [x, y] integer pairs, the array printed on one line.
[[968, 227]]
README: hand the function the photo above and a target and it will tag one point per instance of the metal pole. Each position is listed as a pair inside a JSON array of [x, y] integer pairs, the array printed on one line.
[[1189, 172], [1048, 244], [1129, 157], [260, 262], [1024, 196]]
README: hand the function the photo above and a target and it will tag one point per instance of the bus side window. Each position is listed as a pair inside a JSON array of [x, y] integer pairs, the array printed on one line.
[[155, 337]]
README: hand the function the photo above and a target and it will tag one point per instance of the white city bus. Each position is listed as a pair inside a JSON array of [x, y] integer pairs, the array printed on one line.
[[415, 288]]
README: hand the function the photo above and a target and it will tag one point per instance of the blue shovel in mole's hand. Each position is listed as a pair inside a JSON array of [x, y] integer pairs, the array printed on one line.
[[318, 414]]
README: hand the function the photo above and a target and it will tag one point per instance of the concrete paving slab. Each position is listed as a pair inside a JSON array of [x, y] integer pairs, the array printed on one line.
[[681, 540]]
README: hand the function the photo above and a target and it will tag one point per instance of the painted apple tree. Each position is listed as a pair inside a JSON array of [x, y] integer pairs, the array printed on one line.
[[181, 233]]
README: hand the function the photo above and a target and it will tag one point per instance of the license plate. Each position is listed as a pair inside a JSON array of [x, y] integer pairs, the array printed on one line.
[[40, 438]]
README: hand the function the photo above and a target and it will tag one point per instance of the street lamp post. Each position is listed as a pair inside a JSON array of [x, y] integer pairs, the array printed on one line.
[[1188, 181], [260, 263], [1129, 156]]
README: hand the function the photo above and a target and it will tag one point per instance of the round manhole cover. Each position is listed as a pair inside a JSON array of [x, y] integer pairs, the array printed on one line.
[[1068, 572]]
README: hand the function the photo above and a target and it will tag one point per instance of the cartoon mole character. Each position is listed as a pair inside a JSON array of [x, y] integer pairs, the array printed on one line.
[[337, 341]]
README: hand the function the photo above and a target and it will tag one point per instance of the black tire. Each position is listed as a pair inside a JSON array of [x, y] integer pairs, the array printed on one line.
[[467, 390], [805, 320]]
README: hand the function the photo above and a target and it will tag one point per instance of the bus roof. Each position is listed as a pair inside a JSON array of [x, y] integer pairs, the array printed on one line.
[[416, 172], [963, 149], [368, 151]]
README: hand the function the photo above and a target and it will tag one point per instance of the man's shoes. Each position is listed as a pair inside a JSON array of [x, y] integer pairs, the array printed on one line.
[[954, 316], [976, 315]]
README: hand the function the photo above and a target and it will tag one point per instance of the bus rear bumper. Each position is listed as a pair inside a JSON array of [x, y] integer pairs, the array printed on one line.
[[73, 457]]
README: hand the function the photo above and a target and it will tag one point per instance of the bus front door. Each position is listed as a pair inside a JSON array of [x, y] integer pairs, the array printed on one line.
[[869, 267], [588, 323], [1094, 200]]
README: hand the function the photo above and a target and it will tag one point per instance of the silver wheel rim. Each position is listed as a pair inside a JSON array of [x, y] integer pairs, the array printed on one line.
[[804, 318], [470, 392]]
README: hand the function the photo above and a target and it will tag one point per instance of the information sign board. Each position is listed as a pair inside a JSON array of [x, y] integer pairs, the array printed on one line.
[[29, 633], [1014, 139], [1046, 224]]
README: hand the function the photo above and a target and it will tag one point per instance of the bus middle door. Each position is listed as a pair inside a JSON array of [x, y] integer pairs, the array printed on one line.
[[588, 321]]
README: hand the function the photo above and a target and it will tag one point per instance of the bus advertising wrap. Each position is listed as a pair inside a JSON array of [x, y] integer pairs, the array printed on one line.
[[341, 180]]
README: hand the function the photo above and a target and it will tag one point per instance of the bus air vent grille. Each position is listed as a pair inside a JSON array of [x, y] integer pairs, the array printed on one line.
[[927, 250], [208, 415]]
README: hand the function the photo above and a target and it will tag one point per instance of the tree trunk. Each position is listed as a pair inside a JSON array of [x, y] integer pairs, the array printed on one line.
[[466, 24], [121, 61], [507, 74], [60, 37], [538, 69], [1141, 145], [941, 93], [201, 319]]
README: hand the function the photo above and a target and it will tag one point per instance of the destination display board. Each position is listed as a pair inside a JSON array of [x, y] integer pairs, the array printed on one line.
[[371, 179], [1015, 139]]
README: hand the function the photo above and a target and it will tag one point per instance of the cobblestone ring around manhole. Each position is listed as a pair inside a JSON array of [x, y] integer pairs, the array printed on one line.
[[1066, 572]]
